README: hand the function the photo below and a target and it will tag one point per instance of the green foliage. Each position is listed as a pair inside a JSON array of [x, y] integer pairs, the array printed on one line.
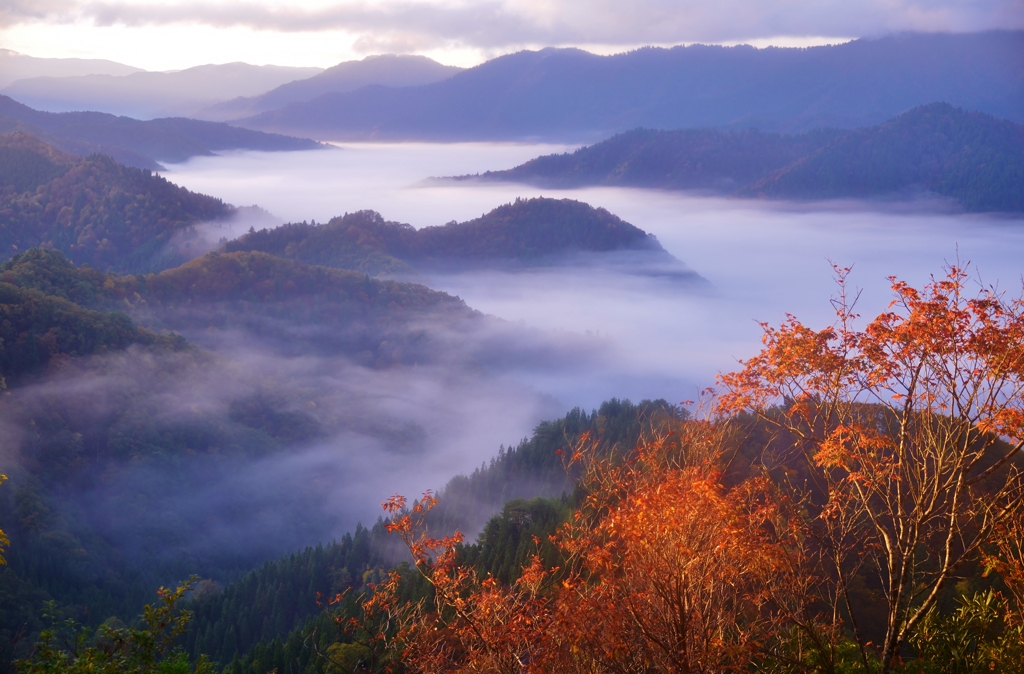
[[535, 466], [974, 638], [350, 312], [94, 210], [528, 231], [251, 617], [512, 537], [35, 329], [26, 163], [68, 648], [51, 273], [266, 279], [278, 598], [357, 241]]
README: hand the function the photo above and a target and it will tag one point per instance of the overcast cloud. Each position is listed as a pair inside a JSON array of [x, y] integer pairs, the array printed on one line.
[[408, 25]]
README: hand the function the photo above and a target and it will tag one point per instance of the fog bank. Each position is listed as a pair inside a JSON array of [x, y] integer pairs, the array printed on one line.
[[762, 258]]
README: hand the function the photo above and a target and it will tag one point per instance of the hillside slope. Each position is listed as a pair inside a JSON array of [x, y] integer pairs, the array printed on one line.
[[94, 210], [975, 159], [572, 95], [113, 433], [972, 158]]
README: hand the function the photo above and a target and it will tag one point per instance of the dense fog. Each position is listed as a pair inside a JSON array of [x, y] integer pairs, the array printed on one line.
[[555, 338], [762, 258]]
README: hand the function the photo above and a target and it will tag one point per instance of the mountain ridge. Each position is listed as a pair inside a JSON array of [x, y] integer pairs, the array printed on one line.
[[150, 95], [572, 95], [15, 66], [974, 159], [138, 143], [526, 233], [389, 70]]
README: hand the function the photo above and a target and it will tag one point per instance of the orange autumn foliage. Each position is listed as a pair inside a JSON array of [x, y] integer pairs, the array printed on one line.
[[896, 465], [911, 431], [665, 570]]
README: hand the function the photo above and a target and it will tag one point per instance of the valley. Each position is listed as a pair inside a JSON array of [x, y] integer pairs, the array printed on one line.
[[506, 292]]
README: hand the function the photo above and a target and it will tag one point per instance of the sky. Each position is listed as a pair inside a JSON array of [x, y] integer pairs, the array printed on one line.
[[176, 34]]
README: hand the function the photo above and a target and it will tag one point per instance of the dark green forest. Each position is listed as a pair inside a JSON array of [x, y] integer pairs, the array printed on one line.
[[974, 159], [526, 232]]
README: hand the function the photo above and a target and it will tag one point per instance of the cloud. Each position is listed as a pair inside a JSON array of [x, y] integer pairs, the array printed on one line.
[[13, 12], [407, 25]]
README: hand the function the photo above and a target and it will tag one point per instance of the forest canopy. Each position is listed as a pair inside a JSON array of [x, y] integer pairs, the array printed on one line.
[[526, 232], [93, 210]]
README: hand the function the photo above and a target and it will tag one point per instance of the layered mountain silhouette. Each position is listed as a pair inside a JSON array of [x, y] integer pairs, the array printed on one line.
[[385, 70], [972, 158], [143, 144], [572, 95], [147, 95], [15, 66]]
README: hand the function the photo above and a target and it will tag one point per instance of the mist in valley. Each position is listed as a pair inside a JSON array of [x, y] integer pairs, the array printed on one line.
[[761, 258], [292, 432]]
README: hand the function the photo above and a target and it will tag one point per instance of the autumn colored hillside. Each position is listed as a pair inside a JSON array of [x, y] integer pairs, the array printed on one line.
[[94, 210]]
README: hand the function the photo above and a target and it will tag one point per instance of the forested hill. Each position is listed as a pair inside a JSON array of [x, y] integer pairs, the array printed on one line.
[[676, 159], [571, 95], [38, 330], [976, 159], [142, 144], [94, 210], [526, 232], [275, 605], [113, 426], [285, 303]]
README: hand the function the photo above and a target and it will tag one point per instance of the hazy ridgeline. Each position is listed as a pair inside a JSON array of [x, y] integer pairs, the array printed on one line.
[[974, 160], [569, 95], [142, 144]]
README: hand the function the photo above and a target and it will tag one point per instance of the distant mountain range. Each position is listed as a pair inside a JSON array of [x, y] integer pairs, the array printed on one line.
[[386, 70], [143, 144], [15, 66], [94, 210], [572, 95], [147, 95], [526, 233], [970, 157]]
